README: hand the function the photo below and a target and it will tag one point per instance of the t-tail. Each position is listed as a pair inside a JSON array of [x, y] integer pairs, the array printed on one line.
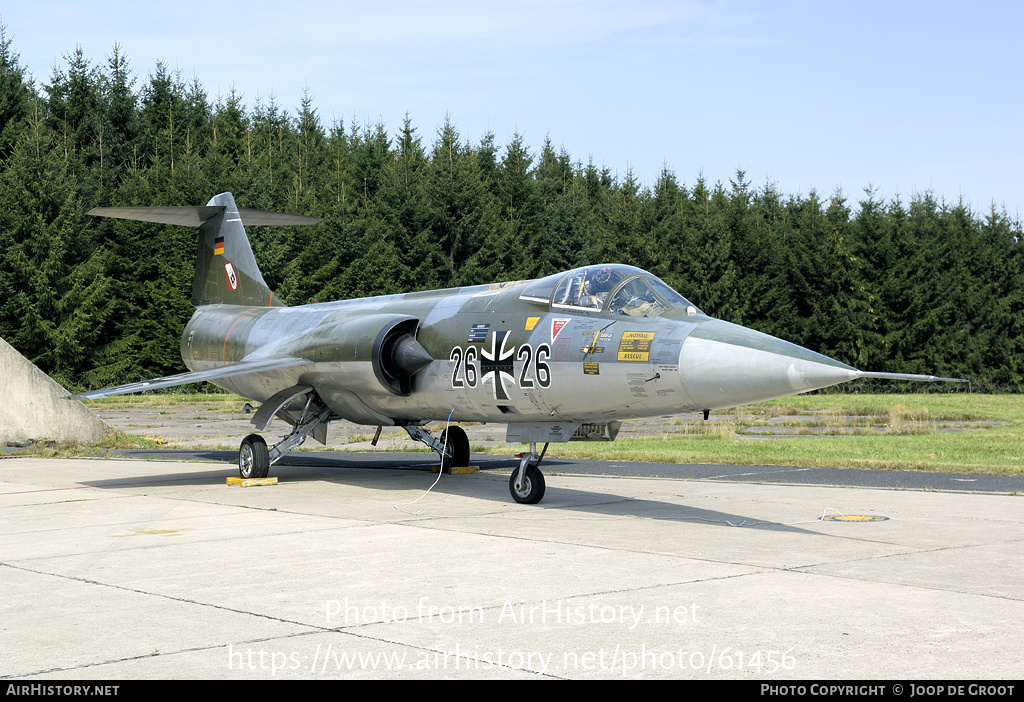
[[226, 270]]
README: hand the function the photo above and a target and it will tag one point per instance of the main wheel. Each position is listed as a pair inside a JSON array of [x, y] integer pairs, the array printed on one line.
[[458, 447], [532, 490], [253, 457]]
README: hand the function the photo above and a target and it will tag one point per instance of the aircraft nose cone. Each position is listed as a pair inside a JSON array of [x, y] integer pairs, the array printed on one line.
[[725, 365]]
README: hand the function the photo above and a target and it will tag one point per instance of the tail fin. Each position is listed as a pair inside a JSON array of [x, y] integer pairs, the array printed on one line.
[[226, 270]]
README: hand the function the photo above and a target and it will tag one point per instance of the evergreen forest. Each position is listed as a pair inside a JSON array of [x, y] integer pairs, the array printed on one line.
[[920, 285]]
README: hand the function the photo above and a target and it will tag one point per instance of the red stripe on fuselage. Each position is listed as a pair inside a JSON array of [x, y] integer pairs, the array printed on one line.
[[224, 351]]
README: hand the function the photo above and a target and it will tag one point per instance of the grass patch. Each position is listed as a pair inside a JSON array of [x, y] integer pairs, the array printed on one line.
[[210, 401], [997, 453], [117, 440], [843, 435], [958, 406]]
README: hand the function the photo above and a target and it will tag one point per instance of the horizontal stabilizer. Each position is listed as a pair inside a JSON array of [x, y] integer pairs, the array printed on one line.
[[196, 216], [228, 371], [226, 270], [263, 218]]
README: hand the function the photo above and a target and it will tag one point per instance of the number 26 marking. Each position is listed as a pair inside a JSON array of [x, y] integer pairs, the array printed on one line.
[[535, 370]]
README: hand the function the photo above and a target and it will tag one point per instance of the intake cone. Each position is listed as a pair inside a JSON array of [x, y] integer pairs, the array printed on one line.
[[407, 356]]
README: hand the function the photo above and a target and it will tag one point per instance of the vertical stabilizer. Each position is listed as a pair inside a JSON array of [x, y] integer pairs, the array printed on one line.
[[226, 270]]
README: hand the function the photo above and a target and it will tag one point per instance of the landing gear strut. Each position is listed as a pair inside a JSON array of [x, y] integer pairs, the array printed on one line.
[[452, 447], [255, 459], [527, 482]]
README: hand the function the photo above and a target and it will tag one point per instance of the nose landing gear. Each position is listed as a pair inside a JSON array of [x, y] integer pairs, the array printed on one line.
[[527, 483]]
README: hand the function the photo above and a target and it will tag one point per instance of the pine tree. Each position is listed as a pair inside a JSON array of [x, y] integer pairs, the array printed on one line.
[[502, 256], [461, 211], [74, 116], [118, 122], [565, 229], [841, 324], [62, 299], [16, 96]]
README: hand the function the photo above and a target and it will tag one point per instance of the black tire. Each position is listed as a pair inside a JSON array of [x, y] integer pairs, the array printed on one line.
[[458, 444], [533, 486], [253, 457]]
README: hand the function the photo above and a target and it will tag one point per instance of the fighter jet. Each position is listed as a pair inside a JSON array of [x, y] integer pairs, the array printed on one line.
[[562, 358]]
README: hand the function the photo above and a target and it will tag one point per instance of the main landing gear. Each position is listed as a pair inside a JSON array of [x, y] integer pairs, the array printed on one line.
[[527, 483], [254, 458], [452, 446]]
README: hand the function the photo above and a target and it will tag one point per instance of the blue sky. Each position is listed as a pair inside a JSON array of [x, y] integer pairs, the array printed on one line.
[[906, 97]]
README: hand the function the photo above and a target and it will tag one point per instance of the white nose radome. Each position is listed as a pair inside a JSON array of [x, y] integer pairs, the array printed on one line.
[[724, 365]]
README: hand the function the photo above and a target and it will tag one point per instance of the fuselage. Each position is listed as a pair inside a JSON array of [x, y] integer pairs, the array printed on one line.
[[516, 352]]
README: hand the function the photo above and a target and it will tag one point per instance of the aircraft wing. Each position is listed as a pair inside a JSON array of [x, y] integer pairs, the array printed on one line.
[[228, 371], [909, 376]]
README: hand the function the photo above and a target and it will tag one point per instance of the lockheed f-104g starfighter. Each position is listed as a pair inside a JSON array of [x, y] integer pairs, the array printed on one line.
[[562, 358]]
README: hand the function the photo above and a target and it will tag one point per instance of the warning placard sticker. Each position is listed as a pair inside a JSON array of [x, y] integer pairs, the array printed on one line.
[[635, 346]]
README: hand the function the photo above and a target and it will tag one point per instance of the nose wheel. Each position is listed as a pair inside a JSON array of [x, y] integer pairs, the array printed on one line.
[[528, 489], [526, 484]]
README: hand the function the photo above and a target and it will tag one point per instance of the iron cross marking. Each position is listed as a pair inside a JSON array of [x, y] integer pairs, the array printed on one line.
[[497, 364]]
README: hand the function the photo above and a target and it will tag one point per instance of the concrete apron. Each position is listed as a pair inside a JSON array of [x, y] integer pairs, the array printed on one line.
[[123, 569]]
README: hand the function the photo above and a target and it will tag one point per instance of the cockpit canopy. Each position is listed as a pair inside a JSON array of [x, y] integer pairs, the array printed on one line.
[[616, 289]]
